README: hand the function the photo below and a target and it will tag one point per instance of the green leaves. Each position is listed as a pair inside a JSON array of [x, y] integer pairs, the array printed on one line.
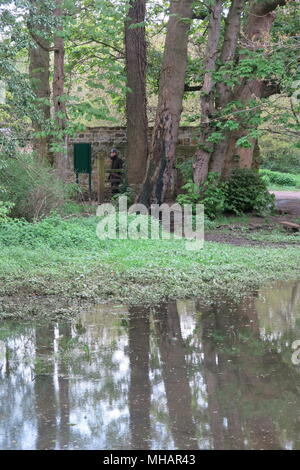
[[244, 142]]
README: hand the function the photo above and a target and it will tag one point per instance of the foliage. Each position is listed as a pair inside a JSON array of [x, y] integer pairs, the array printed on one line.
[[186, 168], [124, 190], [280, 179], [32, 189], [51, 232], [210, 194], [5, 208], [246, 191], [280, 154]]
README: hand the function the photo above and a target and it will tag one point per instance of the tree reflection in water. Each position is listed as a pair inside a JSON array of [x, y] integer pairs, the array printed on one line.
[[181, 375]]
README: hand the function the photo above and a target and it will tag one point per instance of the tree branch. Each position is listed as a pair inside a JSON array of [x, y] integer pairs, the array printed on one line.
[[40, 43]]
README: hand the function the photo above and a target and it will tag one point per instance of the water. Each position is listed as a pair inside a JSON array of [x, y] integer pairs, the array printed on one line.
[[181, 376]]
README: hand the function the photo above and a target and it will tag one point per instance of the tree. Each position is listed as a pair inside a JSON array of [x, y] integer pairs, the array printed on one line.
[[162, 151], [39, 73], [207, 102], [231, 118], [136, 101], [59, 84]]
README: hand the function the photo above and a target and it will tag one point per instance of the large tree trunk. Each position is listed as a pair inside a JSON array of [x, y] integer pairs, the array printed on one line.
[[259, 22], [207, 100], [60, 157], [136, 103], [162, 153], [223, 91], [39, 73]]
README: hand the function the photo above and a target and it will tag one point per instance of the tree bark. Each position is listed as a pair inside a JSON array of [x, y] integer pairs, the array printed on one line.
[[207, 100], [162, 153], [136, 102], [223, 91], [60, 157], [225, 155], [259, 22], [39, 73]]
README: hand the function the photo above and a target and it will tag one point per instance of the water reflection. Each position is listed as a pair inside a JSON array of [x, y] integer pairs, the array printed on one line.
[[181, 376]]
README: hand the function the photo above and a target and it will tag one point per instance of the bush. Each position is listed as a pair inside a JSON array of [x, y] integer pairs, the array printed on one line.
[[245, 191], [186, 169], [275, 177], [211, 195], [52, 231], [5, 208], [124, 190], [31, 187]]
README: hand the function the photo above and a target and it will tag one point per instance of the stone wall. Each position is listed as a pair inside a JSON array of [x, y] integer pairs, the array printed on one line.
[[104, 138]]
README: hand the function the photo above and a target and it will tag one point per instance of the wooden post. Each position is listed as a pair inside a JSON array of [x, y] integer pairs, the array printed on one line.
[[101, 177]]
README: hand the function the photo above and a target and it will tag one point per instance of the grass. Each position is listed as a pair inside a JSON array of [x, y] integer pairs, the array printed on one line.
[[278, 187], [64, 260]]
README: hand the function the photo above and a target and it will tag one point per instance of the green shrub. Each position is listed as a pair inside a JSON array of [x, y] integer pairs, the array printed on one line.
[[186, 169], [245, 191], [275, 177], [52, 231], [5, 205], [124, 190], [5, 208], [32, 187], [191, 194], [210, 194]]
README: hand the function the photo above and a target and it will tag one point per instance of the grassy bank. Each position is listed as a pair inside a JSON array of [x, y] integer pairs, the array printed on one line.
[[64, 262]]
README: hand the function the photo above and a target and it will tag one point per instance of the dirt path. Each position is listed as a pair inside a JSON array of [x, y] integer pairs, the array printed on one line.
[[288, 205], [288, 202]]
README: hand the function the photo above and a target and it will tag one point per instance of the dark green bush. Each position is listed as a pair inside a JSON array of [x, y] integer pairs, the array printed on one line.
[[245, 191]]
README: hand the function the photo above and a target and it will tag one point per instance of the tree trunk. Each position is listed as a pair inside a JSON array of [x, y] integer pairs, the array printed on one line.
[[162, 153], [136, 103], [260, 19], [39, 73], [60, 157], [207, 100], [225, 155], [223, 91]]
